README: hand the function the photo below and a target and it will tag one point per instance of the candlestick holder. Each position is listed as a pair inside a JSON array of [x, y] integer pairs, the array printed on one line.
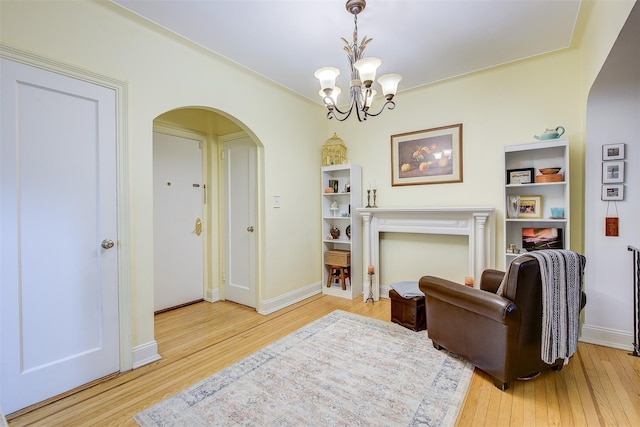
[[369, 199], [370, 296], [374, 199]]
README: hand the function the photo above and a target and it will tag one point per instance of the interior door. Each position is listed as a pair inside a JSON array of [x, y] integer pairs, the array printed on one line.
[[59, 281], [240, 202], [178, 195]]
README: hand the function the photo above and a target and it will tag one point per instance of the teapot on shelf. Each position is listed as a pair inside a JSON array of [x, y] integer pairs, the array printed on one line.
[[551, 133]]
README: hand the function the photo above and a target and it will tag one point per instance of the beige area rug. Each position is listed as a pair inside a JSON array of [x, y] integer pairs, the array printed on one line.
[[343, 369]]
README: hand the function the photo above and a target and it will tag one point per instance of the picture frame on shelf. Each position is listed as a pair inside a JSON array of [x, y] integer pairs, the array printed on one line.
[[520, 176], [535, 239], [613, 152], [530, 207], [612, 192], [430, 156], [613, 172]]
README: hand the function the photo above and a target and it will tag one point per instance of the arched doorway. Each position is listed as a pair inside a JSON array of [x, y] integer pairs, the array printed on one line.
[[216, 132]]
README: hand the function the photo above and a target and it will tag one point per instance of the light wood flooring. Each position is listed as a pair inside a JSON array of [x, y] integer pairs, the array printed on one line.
[[600, 386]]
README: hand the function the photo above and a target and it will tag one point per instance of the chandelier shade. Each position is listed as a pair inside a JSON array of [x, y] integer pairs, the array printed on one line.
[[367, 69], [363, 75], [331, 93], [327, 77], [389, 84]]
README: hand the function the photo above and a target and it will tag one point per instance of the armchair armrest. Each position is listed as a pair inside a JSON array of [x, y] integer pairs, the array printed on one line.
[[477, 301], [491, 279]]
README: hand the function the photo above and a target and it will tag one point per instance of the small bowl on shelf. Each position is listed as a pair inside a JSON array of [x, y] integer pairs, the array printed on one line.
[[549, 171]]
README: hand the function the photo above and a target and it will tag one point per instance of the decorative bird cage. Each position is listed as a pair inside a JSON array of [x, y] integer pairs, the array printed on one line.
[[334, 152]]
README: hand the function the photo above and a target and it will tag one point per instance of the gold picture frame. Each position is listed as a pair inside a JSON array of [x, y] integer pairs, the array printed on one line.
[[430, 156], [530, 207]]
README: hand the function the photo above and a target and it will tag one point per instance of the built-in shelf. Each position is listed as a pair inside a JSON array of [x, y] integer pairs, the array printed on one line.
[[538, 155], [538, 184], [347, 202]]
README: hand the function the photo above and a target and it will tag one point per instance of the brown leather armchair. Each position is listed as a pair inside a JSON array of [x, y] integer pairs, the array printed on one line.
[[500, 335]]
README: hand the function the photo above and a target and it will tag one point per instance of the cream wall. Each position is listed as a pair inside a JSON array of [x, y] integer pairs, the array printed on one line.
[[500, 106], [163, 73], [497, 107], [596, 31]]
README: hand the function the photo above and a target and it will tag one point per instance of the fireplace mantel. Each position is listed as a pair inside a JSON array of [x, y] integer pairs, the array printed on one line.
[[474, 222]]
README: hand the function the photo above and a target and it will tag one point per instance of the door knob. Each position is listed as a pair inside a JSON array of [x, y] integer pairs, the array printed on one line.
[[107, 244], [198, 229], [250, 229]]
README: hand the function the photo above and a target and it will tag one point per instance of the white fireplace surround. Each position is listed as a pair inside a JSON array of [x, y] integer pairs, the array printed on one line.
[[475, 222]]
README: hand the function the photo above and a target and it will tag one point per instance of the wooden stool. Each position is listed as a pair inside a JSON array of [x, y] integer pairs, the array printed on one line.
[[339, 273]]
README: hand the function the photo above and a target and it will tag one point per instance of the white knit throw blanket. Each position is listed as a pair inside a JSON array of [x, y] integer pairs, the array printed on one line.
[[561, 273]]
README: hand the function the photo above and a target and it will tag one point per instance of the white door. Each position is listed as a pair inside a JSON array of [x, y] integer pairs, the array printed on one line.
[[240, 203], [178, 193], [59, 282]]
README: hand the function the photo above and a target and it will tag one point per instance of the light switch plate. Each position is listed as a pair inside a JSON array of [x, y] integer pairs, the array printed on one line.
[[276, 201]]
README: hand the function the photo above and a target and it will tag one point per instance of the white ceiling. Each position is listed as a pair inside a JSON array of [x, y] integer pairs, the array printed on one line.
[[424, 40]]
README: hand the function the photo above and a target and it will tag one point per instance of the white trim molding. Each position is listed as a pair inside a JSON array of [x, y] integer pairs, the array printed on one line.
[[144, 354], [212, 295], [607, 337], [272, 305]]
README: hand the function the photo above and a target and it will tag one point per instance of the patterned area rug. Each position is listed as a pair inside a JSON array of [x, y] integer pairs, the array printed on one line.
[[343, 369]]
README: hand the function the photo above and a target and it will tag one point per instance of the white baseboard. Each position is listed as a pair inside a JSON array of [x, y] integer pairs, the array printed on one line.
[[272, 305], [384, 291], [145, 353], [607, 337], [213, 295]]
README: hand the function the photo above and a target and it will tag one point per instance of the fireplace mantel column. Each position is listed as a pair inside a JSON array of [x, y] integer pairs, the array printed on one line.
[[480, 220], [366, 219]]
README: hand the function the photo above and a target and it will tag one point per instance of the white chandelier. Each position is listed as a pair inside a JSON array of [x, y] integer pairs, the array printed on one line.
[[363, 73]]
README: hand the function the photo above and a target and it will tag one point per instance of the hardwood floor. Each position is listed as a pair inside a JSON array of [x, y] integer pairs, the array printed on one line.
[[600, 386]]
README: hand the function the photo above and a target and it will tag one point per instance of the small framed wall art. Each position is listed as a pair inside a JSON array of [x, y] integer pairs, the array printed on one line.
[[530, 207], [520, 176], [613, 152], [613, 172], [430, 156], [534, 239], [612, 192]]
